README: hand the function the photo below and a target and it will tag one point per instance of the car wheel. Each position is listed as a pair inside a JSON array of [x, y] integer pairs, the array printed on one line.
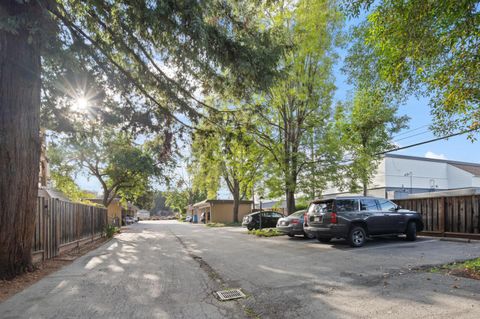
[[250, 227], [411, 231], [357, 236], [308, 235], [291, 235]]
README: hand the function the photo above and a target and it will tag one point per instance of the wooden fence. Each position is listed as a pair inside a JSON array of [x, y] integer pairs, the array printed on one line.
[[63, 225], [456, 216]]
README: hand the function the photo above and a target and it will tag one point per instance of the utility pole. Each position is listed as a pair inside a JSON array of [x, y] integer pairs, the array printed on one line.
[[411, 180]]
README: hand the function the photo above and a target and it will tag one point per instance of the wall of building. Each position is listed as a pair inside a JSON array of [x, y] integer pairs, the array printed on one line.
[[114, 213], [223, 212], [425, 174]]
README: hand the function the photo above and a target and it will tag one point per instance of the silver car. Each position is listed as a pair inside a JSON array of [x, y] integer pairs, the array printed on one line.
[[293, 225]]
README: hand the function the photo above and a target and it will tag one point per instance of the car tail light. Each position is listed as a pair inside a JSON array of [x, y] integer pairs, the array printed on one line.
[[294, 221], [305, 219], [333, 218]]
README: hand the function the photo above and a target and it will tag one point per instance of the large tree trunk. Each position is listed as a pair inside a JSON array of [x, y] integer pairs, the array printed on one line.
[[365, 187], [19, 140], [290, 201], [236, 201]]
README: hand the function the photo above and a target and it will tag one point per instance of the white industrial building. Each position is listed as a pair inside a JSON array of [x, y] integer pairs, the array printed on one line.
[[398, 176]]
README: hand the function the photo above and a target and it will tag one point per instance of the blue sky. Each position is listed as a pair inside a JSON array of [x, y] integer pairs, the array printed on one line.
[[457, 148]]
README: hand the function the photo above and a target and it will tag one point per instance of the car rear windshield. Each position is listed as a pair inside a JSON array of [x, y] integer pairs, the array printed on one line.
[[321, 207]]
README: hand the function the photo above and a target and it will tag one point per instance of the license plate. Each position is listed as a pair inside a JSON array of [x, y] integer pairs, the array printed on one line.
[[318, 218]]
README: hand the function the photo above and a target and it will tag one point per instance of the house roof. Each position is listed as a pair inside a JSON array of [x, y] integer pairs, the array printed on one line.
[[217, 201], [55, 193]]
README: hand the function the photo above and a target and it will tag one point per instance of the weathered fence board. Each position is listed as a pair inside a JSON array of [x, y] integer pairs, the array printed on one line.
[[455, 216], [59, 223]]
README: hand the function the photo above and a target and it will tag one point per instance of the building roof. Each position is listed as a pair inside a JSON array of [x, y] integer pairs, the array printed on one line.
[[472, 168], [475, 170], [218, 201], [54, 193], [427, 159]]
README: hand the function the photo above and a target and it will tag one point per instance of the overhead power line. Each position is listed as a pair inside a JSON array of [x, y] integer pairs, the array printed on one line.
[[412, 130], [428, 141], [413, 135]]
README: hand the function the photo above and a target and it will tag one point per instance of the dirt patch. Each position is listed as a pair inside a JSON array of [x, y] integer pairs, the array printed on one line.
[[466, 273], [467, 269], [11, 287]]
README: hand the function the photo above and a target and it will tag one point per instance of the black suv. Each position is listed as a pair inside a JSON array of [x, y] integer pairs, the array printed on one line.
[[355, 218]]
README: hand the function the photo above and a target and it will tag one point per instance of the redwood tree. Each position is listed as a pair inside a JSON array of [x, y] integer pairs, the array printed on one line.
[[19, 136]]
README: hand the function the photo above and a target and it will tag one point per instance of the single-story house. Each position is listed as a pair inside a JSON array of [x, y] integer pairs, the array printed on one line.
[[219, 210]]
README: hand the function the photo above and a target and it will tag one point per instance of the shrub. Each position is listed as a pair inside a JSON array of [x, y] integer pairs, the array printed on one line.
[[215, 225], [111, 230], [265, 232]]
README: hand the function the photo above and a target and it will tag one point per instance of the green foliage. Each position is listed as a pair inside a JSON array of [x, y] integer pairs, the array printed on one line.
[[426, 47], [367, 127], [224, 148], [302, 203], [179, 196], [123, 168], [473, 265], [62, 174], [153, 55], [265, 232], [111, 230], [292, 117]]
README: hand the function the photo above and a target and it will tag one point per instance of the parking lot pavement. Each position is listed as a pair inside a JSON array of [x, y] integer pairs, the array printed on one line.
[[294, 277], [165, 269]]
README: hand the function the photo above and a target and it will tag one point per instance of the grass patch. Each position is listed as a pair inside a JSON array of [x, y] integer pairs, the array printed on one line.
[[224, 224], [239, 224], [216, 225], [265, 232], [468, 269]]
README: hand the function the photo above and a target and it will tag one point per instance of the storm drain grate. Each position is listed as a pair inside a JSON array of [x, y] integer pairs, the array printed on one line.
[[230, 294]]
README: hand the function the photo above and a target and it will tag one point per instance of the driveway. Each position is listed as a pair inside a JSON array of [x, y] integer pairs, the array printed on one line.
[[165, 269]]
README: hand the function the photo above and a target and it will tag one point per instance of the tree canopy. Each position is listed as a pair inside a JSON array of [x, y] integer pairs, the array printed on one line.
[[293, 115], [367, 126], [423, 47], [123, 168]]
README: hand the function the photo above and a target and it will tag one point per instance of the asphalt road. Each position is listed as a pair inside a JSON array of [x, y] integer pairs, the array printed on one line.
[[170, 270]]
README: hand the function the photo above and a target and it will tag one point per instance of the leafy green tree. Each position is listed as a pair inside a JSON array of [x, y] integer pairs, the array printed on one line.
[[424, 47], [62, 174], [367, 127], [152, 54], [224, 149], [123, 168], [182, 194], [295, 112]]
